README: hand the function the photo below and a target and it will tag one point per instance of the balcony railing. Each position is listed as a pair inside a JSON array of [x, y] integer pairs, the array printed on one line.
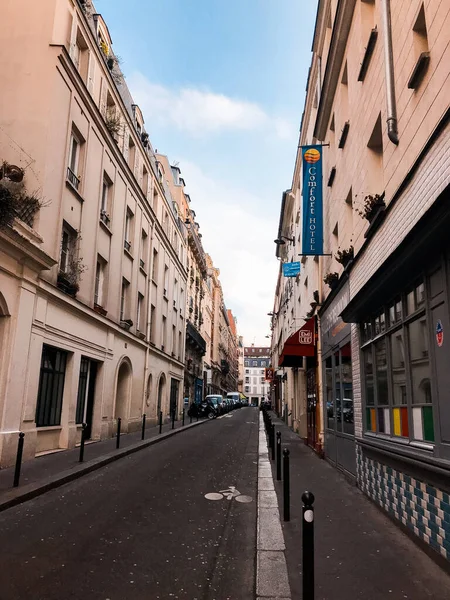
[[72, 178], [104, 218], [194, 337]]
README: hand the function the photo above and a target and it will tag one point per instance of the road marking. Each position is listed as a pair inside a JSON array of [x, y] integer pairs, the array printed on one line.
[[213, 496], [230, 493]]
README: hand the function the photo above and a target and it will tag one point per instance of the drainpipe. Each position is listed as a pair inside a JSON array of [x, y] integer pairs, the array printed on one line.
[[389, 68]]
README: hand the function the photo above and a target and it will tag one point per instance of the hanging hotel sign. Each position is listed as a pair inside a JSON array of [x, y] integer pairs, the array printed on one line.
[[312, 234], [291, 269], [269, 374], [439, 333]]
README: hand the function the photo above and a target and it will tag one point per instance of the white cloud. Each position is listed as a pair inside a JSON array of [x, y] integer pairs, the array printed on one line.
[[241, 245], [200, 111]]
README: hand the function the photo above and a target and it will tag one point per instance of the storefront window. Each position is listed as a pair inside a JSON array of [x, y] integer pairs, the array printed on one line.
[[329, 392], [339, 391], [398, 384]]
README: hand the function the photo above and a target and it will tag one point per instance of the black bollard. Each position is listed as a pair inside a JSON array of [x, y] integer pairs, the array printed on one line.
[[119, 423], [160, 421], [83, 439], [144, 417], [19, 459], [173, 419], [184, 410], [272, 433], [278, 455], [308, 545], [286, 486]]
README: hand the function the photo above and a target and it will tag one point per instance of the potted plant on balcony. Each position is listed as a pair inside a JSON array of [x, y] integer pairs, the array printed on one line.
[[331, 279], [372, 205], [126, 324], [113, 122], [68, 280], [345, 256]]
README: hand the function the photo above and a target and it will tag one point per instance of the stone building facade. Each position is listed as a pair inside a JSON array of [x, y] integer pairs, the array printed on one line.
[[88, 283], [378, 100]]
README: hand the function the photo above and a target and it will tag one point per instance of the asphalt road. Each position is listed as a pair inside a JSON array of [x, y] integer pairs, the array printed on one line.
[[142, 528]]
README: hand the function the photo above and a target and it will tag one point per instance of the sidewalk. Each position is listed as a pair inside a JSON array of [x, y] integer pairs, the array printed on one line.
[[359, 552], [54, 469]]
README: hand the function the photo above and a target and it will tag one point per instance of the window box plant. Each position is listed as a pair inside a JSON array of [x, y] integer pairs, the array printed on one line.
[[331, 279], [373, 204], [345, 256]]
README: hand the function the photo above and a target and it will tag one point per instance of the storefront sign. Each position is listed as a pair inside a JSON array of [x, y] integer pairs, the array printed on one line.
[[439, 333], [312, 234], [291, 269], [269, 374]]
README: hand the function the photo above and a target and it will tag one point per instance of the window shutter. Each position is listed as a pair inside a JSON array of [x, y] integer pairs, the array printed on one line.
[[126, 140], [91, 75], [103, 94]]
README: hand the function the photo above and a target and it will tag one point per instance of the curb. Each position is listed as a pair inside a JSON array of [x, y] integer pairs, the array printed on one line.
[[19, 495]]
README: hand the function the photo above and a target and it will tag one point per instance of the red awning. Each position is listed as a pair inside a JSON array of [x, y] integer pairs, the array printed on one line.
[[299, 344]]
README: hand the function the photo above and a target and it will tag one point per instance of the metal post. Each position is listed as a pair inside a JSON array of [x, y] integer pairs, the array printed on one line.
[[173, 419], [286, 486], [160, 421], [184, 410], [308, 545], [273, 441], [278, 455], [19, 459], [144, 417], [119, 423], [83, 435]]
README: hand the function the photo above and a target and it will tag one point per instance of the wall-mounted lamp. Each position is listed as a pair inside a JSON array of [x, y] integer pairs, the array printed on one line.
[[280, 241], [271, 314]]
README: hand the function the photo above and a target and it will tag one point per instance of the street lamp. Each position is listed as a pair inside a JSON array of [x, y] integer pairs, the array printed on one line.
[[280, 241]]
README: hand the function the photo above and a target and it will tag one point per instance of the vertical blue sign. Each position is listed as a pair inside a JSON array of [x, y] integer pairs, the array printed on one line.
[[312, 238]]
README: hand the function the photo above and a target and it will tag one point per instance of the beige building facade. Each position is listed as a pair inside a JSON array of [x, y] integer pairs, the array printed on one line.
[[89, 283], [374, 398]]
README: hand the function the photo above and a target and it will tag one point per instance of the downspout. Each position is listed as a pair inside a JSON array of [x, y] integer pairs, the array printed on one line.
[[391, 105]]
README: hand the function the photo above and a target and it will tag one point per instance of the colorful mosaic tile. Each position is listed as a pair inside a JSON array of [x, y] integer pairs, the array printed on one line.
[[424, 509]]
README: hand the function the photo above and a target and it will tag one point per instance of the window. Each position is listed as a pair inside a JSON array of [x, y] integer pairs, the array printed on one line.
[[144, 180], [124, 299], [247, 380], [51, 387], [99, 290], [180, 342], [106, 200], [166, 280], [397, 369], [80, 55], [67, 256], [255, 363], [144, 250], [164, 332], [140, 313], [263, 363], [75, 160], [152, 323], [174, 340], [131, 154], [86, 388], [339, 391], [128, 230], [420, 50], [155, 266], [247, 363]]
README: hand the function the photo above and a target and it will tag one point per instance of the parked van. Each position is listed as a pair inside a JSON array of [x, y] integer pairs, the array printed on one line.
[[235, 397]]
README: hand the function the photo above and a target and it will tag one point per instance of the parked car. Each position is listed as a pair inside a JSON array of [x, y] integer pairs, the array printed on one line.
[[217, 401], [235, 399]]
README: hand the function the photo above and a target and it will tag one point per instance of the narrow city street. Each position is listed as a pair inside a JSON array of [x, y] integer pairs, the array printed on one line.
[[142, 528]]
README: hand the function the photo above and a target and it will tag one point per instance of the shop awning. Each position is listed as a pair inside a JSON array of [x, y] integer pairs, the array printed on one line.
[[299, 344]]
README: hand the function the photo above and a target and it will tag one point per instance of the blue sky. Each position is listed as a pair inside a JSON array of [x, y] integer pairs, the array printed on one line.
[[221, 84]]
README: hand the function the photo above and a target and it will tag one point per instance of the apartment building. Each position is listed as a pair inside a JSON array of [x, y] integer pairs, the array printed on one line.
[[198, 295], [93, 262], [256, 361], [373, 393]]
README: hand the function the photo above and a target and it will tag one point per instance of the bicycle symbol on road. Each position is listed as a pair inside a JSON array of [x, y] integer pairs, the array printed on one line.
[[230, 493]]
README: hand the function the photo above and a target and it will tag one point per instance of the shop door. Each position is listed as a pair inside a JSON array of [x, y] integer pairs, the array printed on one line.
[[173, 396], [86, 394], [311, 406]]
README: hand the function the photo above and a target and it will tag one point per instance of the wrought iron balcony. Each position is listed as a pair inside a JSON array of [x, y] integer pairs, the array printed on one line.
[[72, 178], [194, 338]]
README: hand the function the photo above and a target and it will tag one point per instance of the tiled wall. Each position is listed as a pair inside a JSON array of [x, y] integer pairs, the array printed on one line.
[[424, 509]]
